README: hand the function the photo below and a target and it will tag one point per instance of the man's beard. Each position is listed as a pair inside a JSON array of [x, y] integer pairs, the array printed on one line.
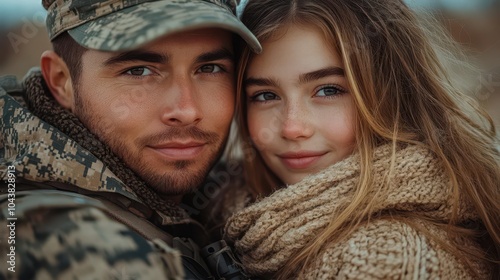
[[181, 179]]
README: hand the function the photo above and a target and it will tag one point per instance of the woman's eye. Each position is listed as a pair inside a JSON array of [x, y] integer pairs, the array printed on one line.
[[329, 91], [210, 68], [265, 96], [139, 71]]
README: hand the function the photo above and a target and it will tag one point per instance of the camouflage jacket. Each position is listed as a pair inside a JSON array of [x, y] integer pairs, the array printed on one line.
[[65, 215]]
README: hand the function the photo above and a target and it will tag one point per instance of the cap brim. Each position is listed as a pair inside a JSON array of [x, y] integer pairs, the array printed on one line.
[[138, 25]]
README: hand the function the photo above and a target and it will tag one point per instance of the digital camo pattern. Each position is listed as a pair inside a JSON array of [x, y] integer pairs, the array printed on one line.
[[67, 14], [75, 241], [113, 25], [40, 153]]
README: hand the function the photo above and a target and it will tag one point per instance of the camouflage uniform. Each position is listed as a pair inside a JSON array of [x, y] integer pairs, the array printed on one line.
[[64, 214]]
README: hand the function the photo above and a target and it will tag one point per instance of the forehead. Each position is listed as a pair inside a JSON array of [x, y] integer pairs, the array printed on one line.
[[295, 49], [191, 42]]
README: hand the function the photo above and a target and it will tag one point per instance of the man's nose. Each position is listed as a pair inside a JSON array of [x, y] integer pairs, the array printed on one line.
[[182, 107]]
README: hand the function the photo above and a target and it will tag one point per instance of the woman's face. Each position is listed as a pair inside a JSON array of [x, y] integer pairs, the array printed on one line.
[[300, 112]]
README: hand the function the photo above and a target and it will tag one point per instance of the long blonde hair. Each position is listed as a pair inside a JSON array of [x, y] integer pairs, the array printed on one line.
[[403, 94]]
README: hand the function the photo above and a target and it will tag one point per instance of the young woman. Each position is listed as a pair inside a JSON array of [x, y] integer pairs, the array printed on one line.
[[384, 169]]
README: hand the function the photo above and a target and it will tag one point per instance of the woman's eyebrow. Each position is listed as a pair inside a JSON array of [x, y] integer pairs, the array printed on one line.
[[321, 73], [251, 81], [303, 78]]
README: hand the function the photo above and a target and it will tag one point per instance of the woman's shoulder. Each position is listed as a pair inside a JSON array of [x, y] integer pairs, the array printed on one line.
[[387, 249]]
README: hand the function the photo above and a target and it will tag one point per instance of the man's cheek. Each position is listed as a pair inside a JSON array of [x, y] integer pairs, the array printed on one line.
[[119, 109]]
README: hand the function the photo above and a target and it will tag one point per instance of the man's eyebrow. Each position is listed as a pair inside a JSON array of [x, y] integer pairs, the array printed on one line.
[[321, 73], [219, 54], [136, 55]]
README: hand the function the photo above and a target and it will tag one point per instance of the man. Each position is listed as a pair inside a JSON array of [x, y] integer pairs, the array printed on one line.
[[128, 113]]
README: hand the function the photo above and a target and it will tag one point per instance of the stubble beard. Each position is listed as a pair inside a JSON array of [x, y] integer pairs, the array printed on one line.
[[181, 178]]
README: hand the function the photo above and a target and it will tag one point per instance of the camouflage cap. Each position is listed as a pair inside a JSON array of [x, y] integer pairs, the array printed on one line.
[[116, 25]]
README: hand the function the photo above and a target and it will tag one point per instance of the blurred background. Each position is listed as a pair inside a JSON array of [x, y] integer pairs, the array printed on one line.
[[475, 24]]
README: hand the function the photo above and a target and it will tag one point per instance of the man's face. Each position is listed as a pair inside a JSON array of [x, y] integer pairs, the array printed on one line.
[[165, 108]]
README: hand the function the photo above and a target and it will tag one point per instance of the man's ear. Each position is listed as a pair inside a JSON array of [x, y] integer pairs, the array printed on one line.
[[58, 79]]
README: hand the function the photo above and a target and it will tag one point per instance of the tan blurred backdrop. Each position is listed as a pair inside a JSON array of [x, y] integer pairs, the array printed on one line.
[[478, 30]]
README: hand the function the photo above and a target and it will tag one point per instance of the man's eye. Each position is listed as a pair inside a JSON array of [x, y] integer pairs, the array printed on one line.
[[139, 71], [210, 68], [265, 96]]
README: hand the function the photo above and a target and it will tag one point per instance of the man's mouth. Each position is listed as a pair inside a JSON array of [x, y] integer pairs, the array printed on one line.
[[179, 150]]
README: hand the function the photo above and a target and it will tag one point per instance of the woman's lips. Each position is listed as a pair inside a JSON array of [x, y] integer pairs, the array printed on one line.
[[300, 160]]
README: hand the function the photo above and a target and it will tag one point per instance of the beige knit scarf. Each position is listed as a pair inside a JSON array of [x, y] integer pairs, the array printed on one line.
[[269, 232]]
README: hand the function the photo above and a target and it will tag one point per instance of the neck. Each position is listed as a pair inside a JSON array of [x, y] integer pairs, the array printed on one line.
[[176, 199]]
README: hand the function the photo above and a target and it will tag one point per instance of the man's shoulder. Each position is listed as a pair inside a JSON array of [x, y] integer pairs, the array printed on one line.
[[15, 87], [60, 234], [29, 202], [11, 85], [41, 202]]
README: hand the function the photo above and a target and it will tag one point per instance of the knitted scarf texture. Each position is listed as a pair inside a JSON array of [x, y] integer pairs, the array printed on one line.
[[267, 233], [43, 105]]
